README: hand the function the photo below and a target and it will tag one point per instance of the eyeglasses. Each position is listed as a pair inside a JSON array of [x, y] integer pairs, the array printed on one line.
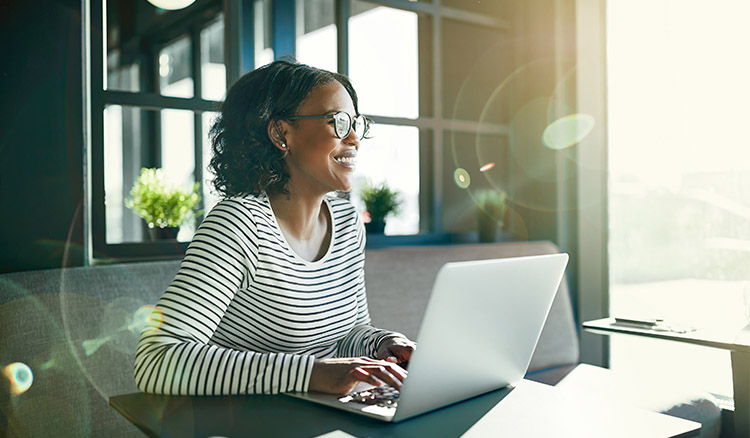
[[343, 123]]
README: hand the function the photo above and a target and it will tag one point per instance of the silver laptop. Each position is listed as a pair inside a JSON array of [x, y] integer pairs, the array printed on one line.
[[481, 326]]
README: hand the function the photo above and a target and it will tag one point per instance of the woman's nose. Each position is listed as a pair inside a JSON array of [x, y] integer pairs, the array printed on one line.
[[352, 138]]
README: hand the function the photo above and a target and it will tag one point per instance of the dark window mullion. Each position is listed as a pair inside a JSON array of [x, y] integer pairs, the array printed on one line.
[[342, 11], [283, 27], [151, 134], [154, 101], [197, 118], [98, 213], [234, 37]]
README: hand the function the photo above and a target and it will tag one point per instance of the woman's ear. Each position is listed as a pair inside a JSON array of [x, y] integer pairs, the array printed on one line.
[[276, 131]]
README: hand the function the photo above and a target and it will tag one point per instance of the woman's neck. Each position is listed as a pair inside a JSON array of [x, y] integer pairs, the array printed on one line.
[[305, 223], [302, 218]]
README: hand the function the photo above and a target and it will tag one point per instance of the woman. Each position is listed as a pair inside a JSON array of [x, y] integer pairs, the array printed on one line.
[[270, 296]]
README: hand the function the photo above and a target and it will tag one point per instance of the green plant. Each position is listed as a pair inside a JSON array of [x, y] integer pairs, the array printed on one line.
[[161, 204], [493, 203], [379, 201]]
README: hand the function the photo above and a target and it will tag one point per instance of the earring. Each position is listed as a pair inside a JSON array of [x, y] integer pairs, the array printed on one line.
[[286, 150]]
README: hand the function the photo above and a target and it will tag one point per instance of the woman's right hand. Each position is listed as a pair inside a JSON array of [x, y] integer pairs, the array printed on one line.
[[339, 376]]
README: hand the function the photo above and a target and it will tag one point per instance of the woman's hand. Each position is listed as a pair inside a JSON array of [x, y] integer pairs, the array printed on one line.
[[339, 376], [397, 349]]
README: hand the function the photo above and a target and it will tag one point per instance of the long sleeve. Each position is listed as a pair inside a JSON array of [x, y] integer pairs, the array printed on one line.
[[176, 355]]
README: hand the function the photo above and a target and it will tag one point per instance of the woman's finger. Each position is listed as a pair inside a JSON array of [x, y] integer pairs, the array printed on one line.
[[361, 375], [384, 374]]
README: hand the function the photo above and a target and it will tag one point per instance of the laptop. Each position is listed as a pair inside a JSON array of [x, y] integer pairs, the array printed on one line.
[[479, 331]]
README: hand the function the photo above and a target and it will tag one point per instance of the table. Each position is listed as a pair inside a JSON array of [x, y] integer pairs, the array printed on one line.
[[735, 339], [529, 409]]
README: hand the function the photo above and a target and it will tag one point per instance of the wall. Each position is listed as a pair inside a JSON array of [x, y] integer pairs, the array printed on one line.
[[41, 134]]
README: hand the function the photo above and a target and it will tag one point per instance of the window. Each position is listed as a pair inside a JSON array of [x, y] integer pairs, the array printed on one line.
[[316, 34], [385, 73], [162, 74], [158, 77], [679, 188]]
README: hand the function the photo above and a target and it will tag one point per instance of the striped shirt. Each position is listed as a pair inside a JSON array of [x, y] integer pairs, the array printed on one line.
[[246, 315]]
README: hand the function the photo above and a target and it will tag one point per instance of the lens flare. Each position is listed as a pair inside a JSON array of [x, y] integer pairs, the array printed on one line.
[[567, 131], [486, 167], [90, 346], [20, 376], [146, 315], [462, 178]]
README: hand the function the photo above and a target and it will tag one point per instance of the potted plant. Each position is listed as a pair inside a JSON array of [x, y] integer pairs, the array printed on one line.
[[492, 205], [162, 205], [379, 201]]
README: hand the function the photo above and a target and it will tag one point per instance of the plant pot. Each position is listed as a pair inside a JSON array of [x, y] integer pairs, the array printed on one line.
[[169, 233], [489, 228], [375, 227]]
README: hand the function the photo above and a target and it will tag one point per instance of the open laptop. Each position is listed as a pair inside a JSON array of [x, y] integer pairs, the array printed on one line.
[[478, 334]]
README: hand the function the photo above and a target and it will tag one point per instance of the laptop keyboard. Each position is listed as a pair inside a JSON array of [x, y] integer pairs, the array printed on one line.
[[385, 396]]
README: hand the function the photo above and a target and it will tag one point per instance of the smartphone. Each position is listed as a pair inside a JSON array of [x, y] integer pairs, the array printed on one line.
[[646, 323]]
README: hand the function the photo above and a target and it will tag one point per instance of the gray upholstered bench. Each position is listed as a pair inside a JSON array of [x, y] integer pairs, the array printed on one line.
[[399, 282], [76, 330]]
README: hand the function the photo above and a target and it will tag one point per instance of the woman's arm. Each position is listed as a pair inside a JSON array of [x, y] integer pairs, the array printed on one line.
[[174, 355]]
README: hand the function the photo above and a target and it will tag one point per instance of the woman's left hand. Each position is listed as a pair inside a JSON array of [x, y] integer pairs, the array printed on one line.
[[397, 349]]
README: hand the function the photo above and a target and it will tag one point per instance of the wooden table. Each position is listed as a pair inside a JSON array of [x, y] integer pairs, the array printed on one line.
[[734, 339], [529, 409]]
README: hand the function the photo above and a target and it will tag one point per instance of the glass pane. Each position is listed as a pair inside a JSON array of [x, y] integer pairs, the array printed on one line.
[[384, 70], [262, 33], [316, 36], [494, 9], [127, 138], [213, 70], [175, 69], [121, 77], [178, 154], [122, 70], [210, 197], [473, 166], [122, 165], [679, 188], [477, 71], [136, 33], [395, 148]]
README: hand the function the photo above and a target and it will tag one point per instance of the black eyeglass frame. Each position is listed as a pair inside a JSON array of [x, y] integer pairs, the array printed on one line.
[[352, 123]]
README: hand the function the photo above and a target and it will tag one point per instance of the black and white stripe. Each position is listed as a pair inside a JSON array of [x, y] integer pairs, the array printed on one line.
[[245, 314]]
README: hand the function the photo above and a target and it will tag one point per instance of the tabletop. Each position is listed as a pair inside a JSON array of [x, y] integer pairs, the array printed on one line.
[[529, 409], [727, 337]]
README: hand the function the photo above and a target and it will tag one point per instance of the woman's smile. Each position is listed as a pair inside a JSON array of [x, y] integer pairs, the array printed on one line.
[[347, 159]]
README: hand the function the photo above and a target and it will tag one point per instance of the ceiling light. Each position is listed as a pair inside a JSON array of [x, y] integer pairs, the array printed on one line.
[[171, 5]]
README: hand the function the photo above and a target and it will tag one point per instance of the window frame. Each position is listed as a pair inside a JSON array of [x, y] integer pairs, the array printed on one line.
[[240, 58], [431, 128], [98, 250]]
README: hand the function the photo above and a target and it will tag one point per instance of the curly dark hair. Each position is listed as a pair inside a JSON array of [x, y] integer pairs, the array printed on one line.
[[245, 161]]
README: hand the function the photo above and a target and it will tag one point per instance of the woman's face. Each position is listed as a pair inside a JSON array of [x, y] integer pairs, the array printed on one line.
[[318, 161]]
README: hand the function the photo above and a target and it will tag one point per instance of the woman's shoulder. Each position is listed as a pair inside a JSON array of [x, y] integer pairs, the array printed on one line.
[[254, 206], [341, 206]]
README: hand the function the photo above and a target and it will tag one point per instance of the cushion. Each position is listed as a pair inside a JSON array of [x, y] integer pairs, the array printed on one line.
[[399, 282], [77, 330]]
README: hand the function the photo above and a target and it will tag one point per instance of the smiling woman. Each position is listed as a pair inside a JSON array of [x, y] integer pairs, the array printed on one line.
[[270, 296]]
